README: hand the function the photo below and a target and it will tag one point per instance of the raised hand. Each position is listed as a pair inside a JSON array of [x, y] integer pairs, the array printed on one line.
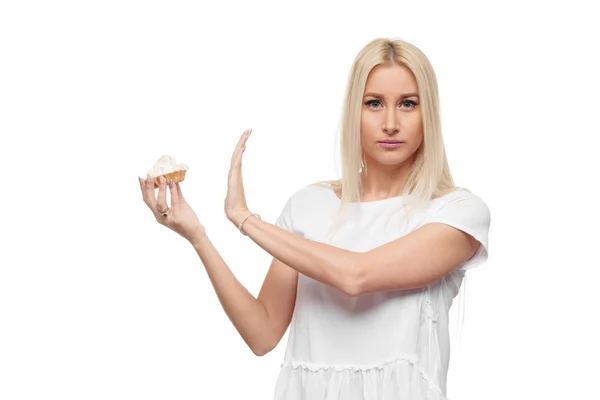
[[235, 202]]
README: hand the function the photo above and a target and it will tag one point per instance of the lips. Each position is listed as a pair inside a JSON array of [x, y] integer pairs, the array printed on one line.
[[391, 144], [391, 141]]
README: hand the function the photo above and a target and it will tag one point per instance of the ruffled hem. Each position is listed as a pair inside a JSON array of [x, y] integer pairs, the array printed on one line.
[[398, 379]]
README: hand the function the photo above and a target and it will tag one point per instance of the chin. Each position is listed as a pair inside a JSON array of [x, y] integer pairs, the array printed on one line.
[[390, 162]]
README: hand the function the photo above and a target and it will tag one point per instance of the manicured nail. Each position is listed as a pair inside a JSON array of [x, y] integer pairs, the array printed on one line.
[[171, 184], [140, 179]]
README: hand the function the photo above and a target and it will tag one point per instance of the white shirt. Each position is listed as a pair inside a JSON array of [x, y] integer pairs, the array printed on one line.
[[378, 346]]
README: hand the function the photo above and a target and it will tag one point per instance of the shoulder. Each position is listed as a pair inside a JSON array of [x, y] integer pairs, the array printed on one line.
[[456, 204], [309, 198], [459, 204], [301, 203], [467, 212], [310, 193], [459, 195]]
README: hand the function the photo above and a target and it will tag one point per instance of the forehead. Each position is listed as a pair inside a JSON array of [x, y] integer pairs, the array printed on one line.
[[391, 80]]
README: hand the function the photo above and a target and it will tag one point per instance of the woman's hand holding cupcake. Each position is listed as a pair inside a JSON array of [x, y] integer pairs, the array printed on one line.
[[179, 217]]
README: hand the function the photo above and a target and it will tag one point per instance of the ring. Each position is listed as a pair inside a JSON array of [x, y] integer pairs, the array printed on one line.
[[165, 212]]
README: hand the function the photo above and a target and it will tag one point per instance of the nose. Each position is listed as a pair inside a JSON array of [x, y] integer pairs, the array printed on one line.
[[391, 124]]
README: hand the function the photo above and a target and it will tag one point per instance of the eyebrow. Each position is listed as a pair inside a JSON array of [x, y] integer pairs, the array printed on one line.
[[404, 96]]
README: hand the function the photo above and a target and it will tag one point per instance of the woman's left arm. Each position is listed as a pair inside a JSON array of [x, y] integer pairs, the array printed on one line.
[[327, 264], [411, 261]]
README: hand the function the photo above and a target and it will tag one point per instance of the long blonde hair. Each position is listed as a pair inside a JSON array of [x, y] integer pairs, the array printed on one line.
[[429, 176]]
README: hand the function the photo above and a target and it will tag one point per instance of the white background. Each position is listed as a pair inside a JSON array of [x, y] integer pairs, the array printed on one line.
[[98, 301]]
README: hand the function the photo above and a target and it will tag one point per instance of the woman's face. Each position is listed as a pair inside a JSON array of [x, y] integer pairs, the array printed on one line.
[[391, 111]]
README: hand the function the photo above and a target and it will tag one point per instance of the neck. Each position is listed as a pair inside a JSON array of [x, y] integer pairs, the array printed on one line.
[[382, 182]]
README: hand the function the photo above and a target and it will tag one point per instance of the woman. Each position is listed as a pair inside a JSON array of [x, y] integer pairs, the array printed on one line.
[[367, 266]]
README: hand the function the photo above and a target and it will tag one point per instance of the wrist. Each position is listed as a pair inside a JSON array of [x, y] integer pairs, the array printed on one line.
[[245, 222], [198, 239], [239, 216]]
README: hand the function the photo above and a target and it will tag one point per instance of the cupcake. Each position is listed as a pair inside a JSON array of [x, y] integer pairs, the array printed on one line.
[[167, 167]]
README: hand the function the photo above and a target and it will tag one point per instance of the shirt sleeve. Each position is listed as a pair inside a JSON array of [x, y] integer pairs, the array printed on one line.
[[284, 221], [470, 214]]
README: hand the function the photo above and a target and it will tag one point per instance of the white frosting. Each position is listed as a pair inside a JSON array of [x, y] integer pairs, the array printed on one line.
[[165, 165]]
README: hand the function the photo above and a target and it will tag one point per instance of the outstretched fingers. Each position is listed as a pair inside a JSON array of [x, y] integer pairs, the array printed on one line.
[[161, 201], [236, 158], [180, 197], [147, 188], [173, 189]]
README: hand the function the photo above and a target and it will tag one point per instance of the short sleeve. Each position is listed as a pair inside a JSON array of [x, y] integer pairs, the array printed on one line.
[[470, 214], [284, 221]]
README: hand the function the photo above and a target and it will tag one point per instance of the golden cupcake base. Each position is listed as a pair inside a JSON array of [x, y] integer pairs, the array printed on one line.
[[177, 176]]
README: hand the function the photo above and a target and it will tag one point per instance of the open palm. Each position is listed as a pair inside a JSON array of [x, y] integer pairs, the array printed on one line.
[[235, 201]]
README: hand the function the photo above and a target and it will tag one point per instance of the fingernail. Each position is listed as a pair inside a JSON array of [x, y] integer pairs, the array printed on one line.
[[140, 179], [171, 184]]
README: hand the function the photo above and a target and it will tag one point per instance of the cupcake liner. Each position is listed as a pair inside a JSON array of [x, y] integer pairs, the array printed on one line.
[[177, 176]]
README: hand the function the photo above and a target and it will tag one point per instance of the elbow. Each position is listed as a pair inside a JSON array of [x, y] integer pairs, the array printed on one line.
[[259, 352], [352, 291], [261, 349], [353, 284]]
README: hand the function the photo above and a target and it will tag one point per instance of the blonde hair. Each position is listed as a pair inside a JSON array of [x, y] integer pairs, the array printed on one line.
[[429, 176]]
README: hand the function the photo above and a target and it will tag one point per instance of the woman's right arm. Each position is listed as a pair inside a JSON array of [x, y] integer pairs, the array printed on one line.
[[261, 322]]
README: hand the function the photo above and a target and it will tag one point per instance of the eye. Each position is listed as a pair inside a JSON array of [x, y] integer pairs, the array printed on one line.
[[371, 102], [409, 102]]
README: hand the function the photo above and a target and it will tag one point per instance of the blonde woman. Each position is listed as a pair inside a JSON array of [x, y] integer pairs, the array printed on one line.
[[365, 268]]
